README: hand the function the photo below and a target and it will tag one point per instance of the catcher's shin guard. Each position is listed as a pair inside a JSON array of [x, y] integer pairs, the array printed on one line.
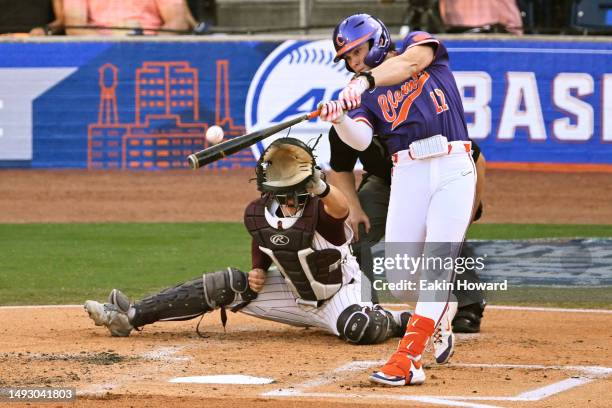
[[193, 298], [366, 325]]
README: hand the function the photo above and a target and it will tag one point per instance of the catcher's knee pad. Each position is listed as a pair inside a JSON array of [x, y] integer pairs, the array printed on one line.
[[223, 287], [192, 298], [365, 325]]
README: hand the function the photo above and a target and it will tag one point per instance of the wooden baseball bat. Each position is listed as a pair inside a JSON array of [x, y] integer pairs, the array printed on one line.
[[224, 149]]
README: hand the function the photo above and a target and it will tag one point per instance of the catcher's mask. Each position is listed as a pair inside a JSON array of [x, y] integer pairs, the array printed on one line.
[[284, 169]]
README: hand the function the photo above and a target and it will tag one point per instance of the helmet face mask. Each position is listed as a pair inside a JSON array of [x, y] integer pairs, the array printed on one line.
[[295, 200], [359, 29]]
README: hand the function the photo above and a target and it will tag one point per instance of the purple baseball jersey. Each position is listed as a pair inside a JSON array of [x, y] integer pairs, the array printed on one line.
[[424, 105]]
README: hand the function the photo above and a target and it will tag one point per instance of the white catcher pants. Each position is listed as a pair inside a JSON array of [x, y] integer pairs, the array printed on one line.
[[431, 201], [276, 302]]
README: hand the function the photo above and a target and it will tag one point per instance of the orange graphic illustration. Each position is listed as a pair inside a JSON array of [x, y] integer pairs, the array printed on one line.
[[166, 127]]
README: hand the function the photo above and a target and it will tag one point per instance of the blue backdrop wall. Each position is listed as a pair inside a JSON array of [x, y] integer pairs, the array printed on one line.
[[147, 104]]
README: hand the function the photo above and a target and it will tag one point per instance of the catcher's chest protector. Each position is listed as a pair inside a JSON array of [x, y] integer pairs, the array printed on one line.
[[314, 275]]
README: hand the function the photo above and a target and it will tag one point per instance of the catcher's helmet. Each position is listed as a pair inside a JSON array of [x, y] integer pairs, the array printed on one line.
[[359, 29], [284, 169]]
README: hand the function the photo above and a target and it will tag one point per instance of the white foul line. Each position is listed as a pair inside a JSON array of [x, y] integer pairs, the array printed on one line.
[[493, 307], [589, 374], [555, 388], [40, 307], [396, 397]]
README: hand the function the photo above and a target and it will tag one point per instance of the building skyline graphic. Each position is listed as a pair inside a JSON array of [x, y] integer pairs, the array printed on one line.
[[166, 126]]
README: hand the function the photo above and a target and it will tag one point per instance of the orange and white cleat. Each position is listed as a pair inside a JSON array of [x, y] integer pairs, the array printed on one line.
[[401, 369], [405, 367]]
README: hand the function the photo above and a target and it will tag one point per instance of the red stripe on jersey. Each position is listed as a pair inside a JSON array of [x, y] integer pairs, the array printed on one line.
[[421, 37], [430, 40], [363, 120]]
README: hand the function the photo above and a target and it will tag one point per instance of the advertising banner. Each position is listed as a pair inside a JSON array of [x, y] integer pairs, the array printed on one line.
[[148, 104]]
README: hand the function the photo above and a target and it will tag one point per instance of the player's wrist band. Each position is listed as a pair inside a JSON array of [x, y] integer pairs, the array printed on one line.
[[325, 192], [368, 75]]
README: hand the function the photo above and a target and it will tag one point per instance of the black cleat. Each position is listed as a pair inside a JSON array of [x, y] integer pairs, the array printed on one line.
[[467, 319]]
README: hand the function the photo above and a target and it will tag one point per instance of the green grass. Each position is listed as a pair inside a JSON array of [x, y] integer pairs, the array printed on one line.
[[68, 263]]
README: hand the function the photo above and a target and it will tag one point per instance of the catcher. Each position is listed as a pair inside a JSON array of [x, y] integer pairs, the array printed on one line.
[[298, 225]]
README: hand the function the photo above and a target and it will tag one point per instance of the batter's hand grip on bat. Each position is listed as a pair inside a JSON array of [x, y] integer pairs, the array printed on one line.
[[231, 146]]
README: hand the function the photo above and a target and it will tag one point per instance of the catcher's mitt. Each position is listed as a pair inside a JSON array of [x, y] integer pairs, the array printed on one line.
[[286, 166]]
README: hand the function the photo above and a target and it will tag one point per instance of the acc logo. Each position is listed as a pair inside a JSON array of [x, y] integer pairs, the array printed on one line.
[[279, 239], [291, 81]]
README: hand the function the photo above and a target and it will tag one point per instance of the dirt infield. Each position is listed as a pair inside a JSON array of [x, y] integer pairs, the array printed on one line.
[[60, 347], [86, 196], [521, 358]]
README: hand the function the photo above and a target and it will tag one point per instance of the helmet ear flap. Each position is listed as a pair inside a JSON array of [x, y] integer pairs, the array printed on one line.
[[379, 46]]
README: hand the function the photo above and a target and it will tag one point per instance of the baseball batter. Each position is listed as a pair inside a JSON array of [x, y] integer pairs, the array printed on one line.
[[299, 226], [368, 215], [409, 95]]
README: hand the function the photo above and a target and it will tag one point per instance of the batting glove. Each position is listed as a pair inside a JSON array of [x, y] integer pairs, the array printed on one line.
[[332, 111], [350, 97]]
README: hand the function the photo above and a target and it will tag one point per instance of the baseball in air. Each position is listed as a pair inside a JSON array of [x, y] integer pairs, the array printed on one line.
[[214, 134]]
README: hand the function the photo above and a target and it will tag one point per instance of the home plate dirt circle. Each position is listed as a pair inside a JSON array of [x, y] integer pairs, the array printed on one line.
[[223, 379]]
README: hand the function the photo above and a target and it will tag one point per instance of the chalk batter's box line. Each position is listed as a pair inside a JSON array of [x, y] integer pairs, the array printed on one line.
[[493, 307], [588, 374]]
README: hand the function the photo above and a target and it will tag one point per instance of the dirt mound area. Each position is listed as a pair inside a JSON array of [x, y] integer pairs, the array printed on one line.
[[101, 196], [521, 358]]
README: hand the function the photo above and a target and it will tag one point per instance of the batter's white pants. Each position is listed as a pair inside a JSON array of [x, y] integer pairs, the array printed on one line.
[[431, 201], [276, 302]]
